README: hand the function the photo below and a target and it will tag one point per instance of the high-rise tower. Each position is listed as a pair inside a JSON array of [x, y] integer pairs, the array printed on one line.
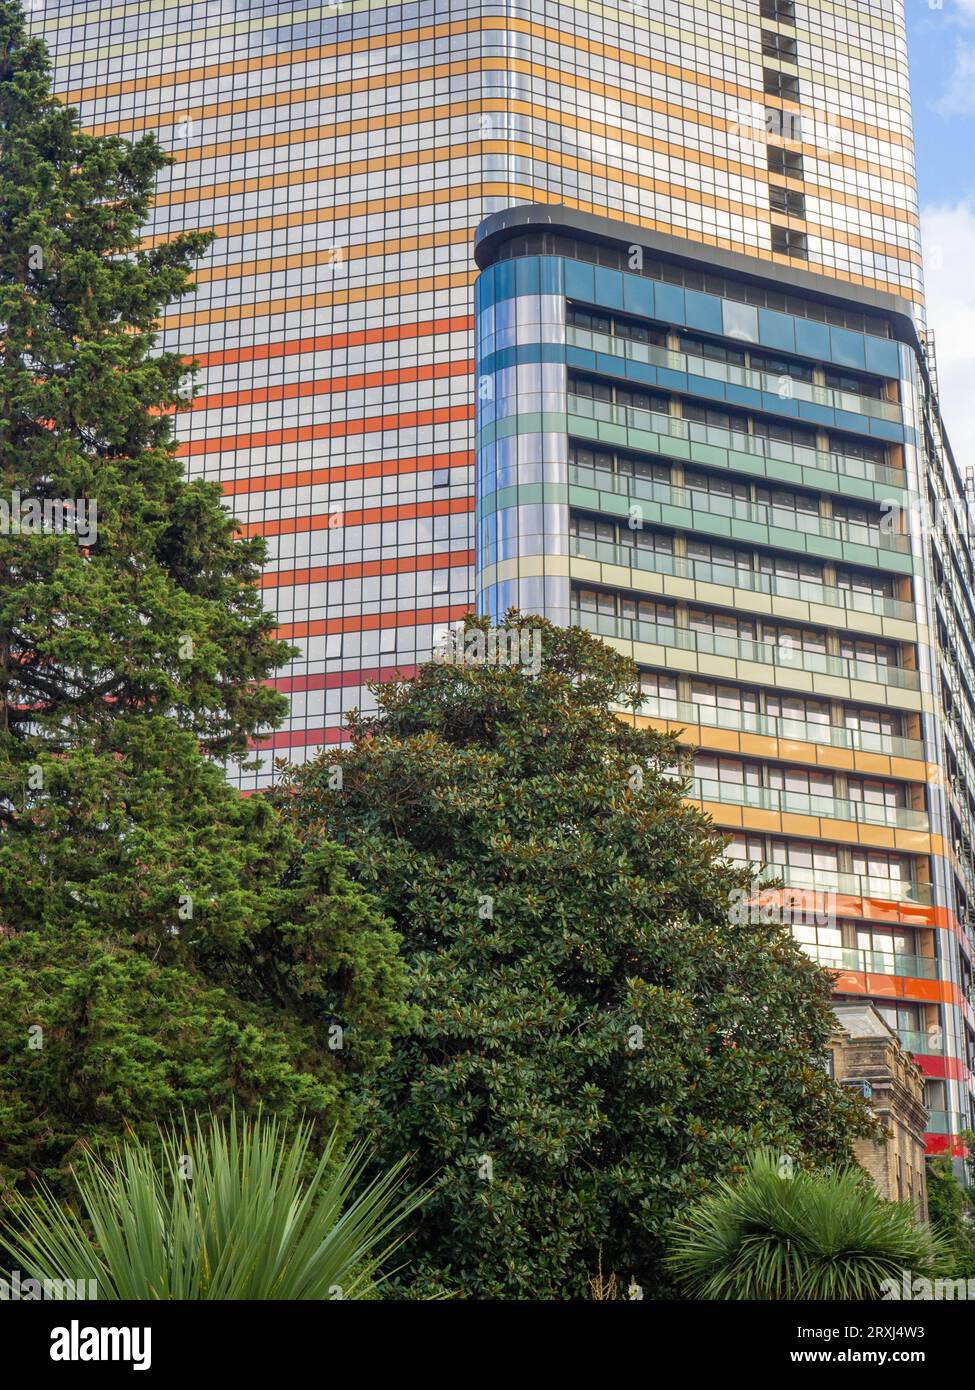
[[345, 155]]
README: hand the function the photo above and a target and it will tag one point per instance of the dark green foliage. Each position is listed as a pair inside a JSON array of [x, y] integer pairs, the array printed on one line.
[[162, 941], [778, 1233], [951, 1211], [608, 1040]]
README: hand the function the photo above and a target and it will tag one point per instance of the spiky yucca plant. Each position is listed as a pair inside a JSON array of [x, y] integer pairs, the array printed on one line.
[[808, 1235], [221, 1211]]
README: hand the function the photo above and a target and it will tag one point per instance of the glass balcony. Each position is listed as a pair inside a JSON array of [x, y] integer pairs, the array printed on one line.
[[757, 581], [930, 1043], [784, 656], [802, 804], [946, 1121], [714, 504], [903, 890], [802, 731], [873, 962], [669, 427], [769, 382]]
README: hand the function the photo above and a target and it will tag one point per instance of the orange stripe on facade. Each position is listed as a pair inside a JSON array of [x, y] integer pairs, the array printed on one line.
[[335, 342], [365, 516], [365, 569], [265, 183], [483, 23], [345, 472], [396, 120], [372, 622], [267, 439], [515, 193], [295, 390]]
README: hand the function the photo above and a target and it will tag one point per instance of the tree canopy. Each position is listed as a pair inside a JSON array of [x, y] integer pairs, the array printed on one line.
[[600, 1034]]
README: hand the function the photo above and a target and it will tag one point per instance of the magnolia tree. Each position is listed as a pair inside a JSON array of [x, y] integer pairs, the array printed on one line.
[[600, 1029]]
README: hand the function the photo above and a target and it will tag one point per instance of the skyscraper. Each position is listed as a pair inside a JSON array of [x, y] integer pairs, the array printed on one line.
[[345, 155], [735, 474]]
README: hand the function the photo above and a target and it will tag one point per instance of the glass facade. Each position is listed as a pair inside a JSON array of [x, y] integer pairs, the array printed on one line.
[[344, 154], [731, 477]]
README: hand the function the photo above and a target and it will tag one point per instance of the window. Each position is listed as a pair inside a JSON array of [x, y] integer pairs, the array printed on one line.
[[705, 483], [787, 200], [798, 510], [786, 163], [860, 582], [781, 84], [874, 792], [802, 781], [872, 721], [795, 707], [782, 11], [853, 448], [731, 771], [657, 686], [715, 416], [781, 46], [863, 649], [784, 567], [790, 638], [714, 352], [877, 864], [721, 624], [712, 696], [786, 242]]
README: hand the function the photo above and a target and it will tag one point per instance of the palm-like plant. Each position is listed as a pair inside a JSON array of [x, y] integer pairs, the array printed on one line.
[[223, 1211], [808, 1235]]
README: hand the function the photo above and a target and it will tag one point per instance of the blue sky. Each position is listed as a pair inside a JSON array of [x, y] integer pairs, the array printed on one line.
[[941, 40], [942, 52]]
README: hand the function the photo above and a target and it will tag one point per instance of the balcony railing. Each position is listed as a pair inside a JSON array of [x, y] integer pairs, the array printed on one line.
[[842, 958], [769, 382], [693, 432], [781, 655], [947, 1121], [803, 804], [896, 890], [930, 1043], [757, 581], [715, 504], [803, 731]]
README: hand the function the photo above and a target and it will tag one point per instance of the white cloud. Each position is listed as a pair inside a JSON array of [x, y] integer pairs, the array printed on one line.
[[959, 94], [949, 279]]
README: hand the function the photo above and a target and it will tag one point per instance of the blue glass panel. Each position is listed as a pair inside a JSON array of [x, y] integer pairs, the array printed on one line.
[[847, 348], [638, 295], [882, 357], [609, 288], [669, 303], [776, 330], [579, 281], [812, 339], [703, 311], [740, 321]]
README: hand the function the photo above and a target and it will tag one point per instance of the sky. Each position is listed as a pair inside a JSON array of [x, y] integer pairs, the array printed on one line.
[[941, 40]]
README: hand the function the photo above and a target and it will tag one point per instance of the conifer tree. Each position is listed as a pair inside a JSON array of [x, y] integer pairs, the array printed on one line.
[[162, 941]]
